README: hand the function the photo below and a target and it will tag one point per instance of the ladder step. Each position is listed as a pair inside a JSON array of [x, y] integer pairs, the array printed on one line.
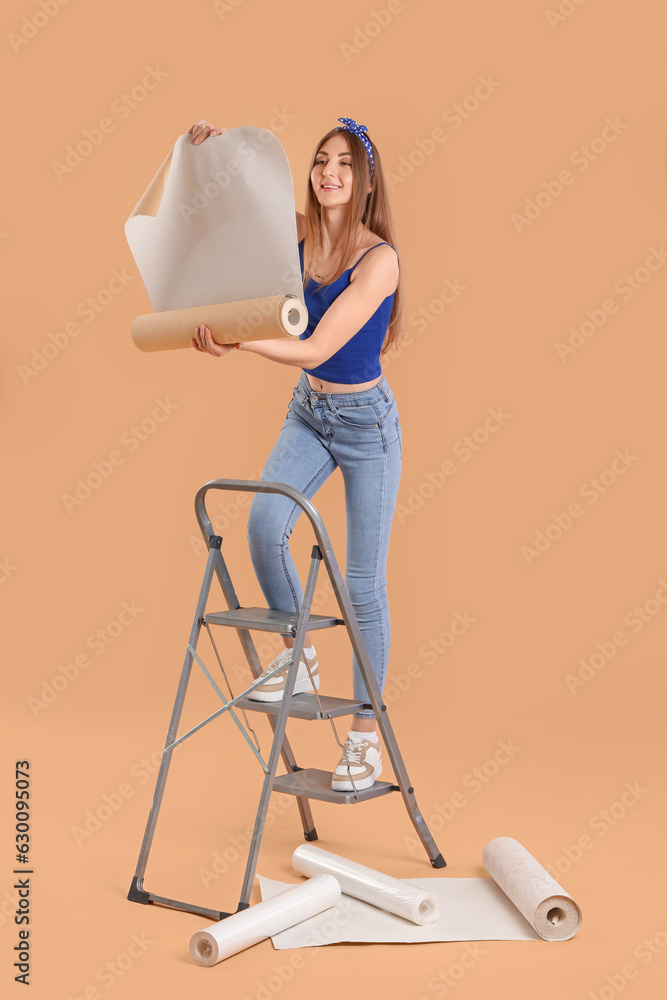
[[269, 620], [316, 784], [305, 706]]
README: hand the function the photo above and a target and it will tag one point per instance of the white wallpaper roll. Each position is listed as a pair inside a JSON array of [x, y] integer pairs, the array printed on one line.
[[247, 927], [214, 237], [383, 891], [542, 901]]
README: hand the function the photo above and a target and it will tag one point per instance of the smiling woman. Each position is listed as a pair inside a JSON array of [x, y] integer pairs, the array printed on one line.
[[342, 413]]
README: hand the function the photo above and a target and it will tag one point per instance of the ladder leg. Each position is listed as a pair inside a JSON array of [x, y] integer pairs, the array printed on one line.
[[137, 892], [407, 791], [380, 709], [279, 730], [303, 804], [248, 645]]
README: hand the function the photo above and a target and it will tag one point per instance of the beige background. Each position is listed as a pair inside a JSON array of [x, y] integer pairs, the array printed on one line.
[[583, 785]]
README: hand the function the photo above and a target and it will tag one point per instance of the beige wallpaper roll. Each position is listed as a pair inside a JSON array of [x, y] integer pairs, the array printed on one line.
[[542, 901], [229, 322]]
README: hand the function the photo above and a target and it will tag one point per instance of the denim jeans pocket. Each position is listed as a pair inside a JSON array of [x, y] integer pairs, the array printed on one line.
[[365, 414], [399, 434], [362, 416]]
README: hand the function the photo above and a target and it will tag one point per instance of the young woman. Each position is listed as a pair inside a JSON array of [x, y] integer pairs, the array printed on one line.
[[342, 412]]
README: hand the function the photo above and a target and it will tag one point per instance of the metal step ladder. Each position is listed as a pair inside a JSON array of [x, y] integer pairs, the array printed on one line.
[[305, 783]]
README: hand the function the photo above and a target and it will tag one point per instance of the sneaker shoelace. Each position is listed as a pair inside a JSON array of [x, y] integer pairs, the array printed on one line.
[[286, 657], [352, 750]]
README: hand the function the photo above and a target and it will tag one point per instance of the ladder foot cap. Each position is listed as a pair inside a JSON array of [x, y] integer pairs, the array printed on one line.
[[311, 835], [439, 862], [137, 894]]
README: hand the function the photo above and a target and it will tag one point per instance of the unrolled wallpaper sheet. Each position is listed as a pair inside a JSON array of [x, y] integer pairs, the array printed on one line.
[[470, 909], [214, 238]]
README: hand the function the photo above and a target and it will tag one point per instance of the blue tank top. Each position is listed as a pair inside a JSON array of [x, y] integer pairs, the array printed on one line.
[[359, 359]]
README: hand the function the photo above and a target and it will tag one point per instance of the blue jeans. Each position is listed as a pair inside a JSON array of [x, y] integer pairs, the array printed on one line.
[[361, 433]]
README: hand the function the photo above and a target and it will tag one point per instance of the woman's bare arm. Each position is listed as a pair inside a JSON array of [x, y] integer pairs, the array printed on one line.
[[375, 279]]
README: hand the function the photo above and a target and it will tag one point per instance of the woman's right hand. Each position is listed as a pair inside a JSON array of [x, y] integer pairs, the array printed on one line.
[[202, 129], [203, 341]]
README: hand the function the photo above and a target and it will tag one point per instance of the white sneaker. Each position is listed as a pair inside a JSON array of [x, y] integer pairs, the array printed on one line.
[[365, 763], [274, 688]]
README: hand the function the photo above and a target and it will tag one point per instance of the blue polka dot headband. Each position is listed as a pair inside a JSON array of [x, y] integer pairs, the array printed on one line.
[[350, 125]]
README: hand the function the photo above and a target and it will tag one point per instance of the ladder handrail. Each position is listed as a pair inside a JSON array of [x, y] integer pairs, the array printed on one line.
[[260, 486]]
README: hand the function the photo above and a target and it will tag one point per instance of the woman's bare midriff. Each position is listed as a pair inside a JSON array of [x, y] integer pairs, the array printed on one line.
[[321, 385]]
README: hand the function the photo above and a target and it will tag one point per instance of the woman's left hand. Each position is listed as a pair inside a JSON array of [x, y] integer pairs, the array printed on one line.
[[203, 341]]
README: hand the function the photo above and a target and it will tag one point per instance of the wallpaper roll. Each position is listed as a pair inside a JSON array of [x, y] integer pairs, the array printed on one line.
[[383, 891], [542, 901], [229, 322], [247, 927], [214, 238]]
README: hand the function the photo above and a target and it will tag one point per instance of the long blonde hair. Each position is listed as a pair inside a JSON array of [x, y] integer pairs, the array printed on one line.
[[372, 210]]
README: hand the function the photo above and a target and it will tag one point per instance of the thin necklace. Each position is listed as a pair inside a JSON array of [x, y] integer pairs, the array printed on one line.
[[331, 271]]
